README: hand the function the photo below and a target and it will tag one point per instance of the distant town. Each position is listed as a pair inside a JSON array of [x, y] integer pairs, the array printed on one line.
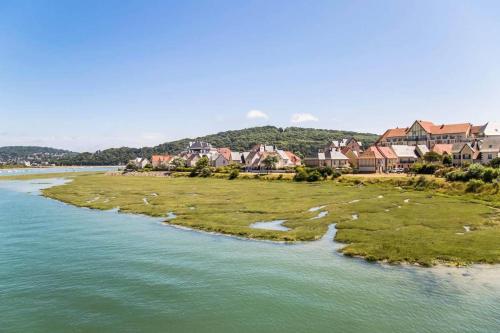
[[396, 150]]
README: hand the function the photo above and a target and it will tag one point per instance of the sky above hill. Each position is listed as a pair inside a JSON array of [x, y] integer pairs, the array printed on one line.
[[87, 75]]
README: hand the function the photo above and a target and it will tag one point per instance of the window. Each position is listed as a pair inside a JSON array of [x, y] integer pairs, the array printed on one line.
[[490, 156]]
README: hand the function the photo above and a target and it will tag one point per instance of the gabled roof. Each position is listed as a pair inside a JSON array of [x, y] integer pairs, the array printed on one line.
[[333, 154], [161, 158], [292, 157], [404, 151], [387, 152], [225, 152], [395, 133], [450, 128], [371, 152], [426, 125], [422, 149], [442, 148], [459, 146], [199, 145], [282, 154], [236, 156]]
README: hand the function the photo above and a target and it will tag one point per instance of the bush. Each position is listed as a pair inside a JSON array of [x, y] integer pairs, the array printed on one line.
[[206, 172], [447, 160], [300, 174], [475, 171], [495, 163], [131, 166], [489, 174], [314, 176], [432, 157], [325, 171], [474, 186], [336, 174], [234, 174], [456, 175], [424, 168]]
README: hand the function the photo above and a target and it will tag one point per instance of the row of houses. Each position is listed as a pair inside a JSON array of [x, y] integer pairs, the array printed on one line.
[[399, 148], [255, 159], [395, 150]]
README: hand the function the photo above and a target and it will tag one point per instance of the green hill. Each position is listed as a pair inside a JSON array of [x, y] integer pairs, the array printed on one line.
[[13, 153], [303, 140]]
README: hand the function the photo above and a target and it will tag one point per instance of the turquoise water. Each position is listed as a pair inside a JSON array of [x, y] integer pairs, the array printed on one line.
[[28, 171], [68, 269]]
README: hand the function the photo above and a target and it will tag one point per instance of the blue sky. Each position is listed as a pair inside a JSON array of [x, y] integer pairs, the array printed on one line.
[[87, 75]]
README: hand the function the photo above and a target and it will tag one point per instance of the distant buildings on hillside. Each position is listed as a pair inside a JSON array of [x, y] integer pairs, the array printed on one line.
[[255, 159], [395, 150]]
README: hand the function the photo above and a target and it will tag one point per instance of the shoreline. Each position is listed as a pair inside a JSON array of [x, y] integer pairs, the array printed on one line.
[[241, 234]]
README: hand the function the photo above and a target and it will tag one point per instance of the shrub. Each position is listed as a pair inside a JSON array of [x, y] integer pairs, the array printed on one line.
[[424, 168], [336, 174], [314, 176], [447, 160], [432, 157], [234, 174], [456, 175], [495, 163], [206, 172], [489, 174], [131, 166], [300, 174], [475, 171], [474, 185], [325, 171]]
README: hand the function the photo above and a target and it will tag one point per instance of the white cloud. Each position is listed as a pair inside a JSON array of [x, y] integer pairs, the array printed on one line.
[[302, 118], [256, 114]]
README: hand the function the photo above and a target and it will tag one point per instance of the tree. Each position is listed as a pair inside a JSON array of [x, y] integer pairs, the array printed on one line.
[[270, 162], [447, 160], [178, 162], [131, 166], [495, 163], [202, 163], [432, 157]]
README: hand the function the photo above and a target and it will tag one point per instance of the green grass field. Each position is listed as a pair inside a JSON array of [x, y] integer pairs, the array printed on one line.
[[375, 221]]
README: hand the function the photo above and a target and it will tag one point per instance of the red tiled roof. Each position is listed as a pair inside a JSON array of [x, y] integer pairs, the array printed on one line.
[[426, 125], [450, 128], [292, 157], [387, 152], [476, 129], [226, 152], [442, 148], [161, 158], [371, 152], [395, 132]]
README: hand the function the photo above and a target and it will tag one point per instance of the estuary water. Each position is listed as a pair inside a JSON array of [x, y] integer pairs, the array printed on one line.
[[68, 269]]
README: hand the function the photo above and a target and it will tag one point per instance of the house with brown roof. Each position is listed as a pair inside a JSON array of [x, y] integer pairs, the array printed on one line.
[[351, 143], [442, 148], [371, 160], [406, 156], [465, 153], [254, 160], [222, 157], [333, 158], [427, 133], [161, 161]]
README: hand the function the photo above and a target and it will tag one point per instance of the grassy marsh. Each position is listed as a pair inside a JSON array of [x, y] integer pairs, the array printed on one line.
[[376, 221]]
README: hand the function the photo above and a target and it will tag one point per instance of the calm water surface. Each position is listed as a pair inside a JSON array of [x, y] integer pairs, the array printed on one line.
[[68, 269], [28, 171]]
